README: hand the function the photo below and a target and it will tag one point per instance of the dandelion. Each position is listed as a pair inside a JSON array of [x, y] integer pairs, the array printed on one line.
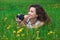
[[18, 27], [37, 34], [50, 32], [14, 31], [8, 27], [20, 30], [56, 6], [36, 27], [37, 31], [6, 38], [38, 38], [18, 35], [5, 18], [22, 35]]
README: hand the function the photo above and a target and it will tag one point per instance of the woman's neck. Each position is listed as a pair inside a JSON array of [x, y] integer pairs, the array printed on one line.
[[32, 21]]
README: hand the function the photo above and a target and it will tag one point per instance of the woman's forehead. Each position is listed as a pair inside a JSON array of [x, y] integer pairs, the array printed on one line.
[[32, 8]]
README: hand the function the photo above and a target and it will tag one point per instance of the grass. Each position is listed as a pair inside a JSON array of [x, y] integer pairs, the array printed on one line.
[[8, 26]]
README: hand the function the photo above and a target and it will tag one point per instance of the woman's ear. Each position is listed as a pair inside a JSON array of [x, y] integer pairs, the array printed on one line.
[[36, 15]]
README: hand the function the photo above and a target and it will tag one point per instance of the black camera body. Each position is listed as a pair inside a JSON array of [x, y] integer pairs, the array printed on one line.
[[20, 16]]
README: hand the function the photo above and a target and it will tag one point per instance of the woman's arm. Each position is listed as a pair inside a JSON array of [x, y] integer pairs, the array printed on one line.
[[22, 23], [39, 25]]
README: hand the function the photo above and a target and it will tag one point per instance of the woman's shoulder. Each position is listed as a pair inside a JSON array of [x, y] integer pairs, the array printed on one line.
[[41, 23]]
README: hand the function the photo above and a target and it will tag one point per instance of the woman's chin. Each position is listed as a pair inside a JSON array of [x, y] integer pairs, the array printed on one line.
[[29, 17]]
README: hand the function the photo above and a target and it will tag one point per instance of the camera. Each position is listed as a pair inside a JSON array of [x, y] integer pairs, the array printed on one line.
[[20, 16]]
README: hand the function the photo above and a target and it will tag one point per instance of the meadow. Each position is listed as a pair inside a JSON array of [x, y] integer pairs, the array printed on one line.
[[9, 29]]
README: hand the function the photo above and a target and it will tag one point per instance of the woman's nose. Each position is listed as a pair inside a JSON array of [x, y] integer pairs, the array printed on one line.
[[29, 13]]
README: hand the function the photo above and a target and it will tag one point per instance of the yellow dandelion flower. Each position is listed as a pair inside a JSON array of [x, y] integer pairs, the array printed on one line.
[[50, 32], [14, 31], [20, 30], [37, 31], [18, 27], [56, 6], [38, 38], [22, 35], [6, 38], [36, 27], [37, 34], [8, 27], [18, 35], [5, 18]]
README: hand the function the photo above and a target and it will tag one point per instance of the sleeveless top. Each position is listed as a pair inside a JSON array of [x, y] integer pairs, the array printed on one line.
[[31, 26]]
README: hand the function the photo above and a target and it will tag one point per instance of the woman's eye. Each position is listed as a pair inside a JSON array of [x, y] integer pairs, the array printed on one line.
[[32, 11]]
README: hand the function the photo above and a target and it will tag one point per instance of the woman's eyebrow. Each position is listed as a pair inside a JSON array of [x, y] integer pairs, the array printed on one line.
[[31, 11]]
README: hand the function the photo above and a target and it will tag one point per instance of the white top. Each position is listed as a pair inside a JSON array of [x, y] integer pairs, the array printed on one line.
[[31, 26]]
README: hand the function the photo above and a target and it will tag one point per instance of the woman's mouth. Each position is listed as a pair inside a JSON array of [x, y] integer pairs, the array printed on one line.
[[29, 15]]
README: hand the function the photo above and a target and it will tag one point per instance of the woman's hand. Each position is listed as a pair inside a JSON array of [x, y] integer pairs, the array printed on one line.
[[24, 21], [18, 20]]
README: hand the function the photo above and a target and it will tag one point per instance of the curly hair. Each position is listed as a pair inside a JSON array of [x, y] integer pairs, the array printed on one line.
[[42, 15]]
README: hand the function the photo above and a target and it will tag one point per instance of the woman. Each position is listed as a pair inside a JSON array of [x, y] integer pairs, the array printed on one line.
[[36, 17]]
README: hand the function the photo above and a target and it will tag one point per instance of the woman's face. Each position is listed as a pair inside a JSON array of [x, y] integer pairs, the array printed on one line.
[[32, 13]]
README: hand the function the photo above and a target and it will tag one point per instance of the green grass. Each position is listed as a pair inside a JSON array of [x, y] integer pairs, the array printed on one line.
[[8, 26]]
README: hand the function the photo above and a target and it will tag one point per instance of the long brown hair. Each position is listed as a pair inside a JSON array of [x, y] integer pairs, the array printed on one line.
[[42, 15]]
